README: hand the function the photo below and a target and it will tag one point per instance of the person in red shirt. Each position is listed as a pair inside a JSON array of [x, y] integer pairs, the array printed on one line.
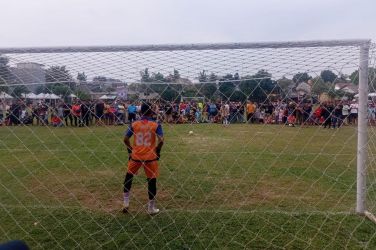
[[76, 113], [144, 152]]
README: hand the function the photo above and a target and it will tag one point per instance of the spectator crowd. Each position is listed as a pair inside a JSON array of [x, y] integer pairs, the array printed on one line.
[[88, 113]]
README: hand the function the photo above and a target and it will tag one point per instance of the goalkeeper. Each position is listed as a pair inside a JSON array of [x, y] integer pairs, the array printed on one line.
[[144, 152]]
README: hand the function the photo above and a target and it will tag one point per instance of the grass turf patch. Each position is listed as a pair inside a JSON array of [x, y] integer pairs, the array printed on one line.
[[215, 189]]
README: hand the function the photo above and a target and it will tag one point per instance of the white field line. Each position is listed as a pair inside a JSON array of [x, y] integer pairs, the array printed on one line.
[[193, 211]]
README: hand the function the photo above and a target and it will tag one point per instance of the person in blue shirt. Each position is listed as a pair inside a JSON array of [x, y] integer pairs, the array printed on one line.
[[132, 110]]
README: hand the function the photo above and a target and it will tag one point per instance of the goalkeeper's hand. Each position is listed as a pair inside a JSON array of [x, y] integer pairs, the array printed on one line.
[[158, 153], [129, 152]]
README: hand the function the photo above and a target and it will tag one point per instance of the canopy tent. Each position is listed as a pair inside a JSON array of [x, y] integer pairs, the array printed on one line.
[[51, 96], [41, 96], [29, 96], [4, 95], [107, 97], [373, 94]]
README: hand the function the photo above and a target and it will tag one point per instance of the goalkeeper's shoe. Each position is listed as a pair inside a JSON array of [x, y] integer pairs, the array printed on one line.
[[153, 210], [125, 210]]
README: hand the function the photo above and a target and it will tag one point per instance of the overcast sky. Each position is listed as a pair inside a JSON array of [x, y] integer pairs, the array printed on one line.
[[123, 22]]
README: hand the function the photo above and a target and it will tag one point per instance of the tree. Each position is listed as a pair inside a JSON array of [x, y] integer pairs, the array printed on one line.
[[213, 77], [328, 76], [61, 89], [4, 89], [258, 86], [19, 90], [202, 76], [99, 79], [41, 89], [319, 86], [81, 77], [371, 78], [208, 90], [342, 78], [170, 94], [145, 76], [226, 89], [59, 75], [158, 77], [82, 95], [301, 77], [6, 76], [176, 75], [285, 85]]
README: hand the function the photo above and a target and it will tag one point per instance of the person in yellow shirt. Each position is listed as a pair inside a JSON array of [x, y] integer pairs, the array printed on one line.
[[251, 108]]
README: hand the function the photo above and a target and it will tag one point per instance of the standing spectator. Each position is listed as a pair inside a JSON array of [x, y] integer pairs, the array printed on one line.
[[371, 114], [299, 114], [85, 114], [43, 113], [291, 117], [2, 112], [99, 111], [76, 113], [345, 113], [120, 113], [327, 114], [111, 114], [307, 110], [60, 111], [337, 115], [353, 118], [132, 110], [251, 109], [15, 111], [168, 113], [225, 113], [213, 111], [240, 112], [67, 114]]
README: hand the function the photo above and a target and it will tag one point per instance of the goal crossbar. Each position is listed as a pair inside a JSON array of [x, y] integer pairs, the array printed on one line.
[[202, 46]]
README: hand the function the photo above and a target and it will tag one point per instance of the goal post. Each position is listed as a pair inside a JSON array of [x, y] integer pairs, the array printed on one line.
[[362, 147]]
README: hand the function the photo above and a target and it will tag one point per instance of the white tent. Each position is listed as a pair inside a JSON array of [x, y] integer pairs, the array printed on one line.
[[40, 96], [4, 95], [54, 97], [29, 96], [72, 96], [107, 97], [369, 95]]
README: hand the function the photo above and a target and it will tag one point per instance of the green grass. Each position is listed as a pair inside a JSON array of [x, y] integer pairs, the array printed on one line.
[[238, 187]]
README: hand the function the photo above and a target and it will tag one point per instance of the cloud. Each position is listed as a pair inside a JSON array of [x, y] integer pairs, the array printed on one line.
[[95, 22]]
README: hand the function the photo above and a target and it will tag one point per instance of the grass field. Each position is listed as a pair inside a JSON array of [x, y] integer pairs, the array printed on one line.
[[238, 187]]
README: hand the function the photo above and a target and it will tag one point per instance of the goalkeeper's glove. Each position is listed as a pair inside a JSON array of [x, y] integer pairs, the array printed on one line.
[[129, 152], [158, 153]]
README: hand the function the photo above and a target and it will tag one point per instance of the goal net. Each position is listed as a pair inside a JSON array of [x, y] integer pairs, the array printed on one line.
[[267, 145]]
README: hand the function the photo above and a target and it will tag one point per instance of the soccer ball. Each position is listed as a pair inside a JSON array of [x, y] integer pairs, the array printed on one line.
[[190, 132]]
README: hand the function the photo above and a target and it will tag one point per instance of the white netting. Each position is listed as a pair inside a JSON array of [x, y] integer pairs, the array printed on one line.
[[247, 161]]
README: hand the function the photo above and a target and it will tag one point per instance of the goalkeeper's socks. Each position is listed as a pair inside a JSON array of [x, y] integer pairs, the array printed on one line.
[[126, 198]]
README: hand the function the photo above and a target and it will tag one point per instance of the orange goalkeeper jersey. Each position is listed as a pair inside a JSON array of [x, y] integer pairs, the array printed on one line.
[[145, 132]]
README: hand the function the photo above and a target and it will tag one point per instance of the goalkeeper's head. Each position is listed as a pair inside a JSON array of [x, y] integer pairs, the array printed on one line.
[[146, 109]]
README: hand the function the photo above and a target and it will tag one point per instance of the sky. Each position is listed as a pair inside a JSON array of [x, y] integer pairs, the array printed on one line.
[[36, 23]]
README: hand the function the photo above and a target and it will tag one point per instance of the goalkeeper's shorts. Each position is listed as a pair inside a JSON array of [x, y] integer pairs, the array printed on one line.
[[150, 167]]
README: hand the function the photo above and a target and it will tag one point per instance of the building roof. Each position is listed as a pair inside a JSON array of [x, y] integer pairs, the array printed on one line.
[[346, 87]]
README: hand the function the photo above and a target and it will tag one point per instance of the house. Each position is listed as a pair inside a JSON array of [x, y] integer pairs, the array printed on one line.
[[346, 87], [30, 74]]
